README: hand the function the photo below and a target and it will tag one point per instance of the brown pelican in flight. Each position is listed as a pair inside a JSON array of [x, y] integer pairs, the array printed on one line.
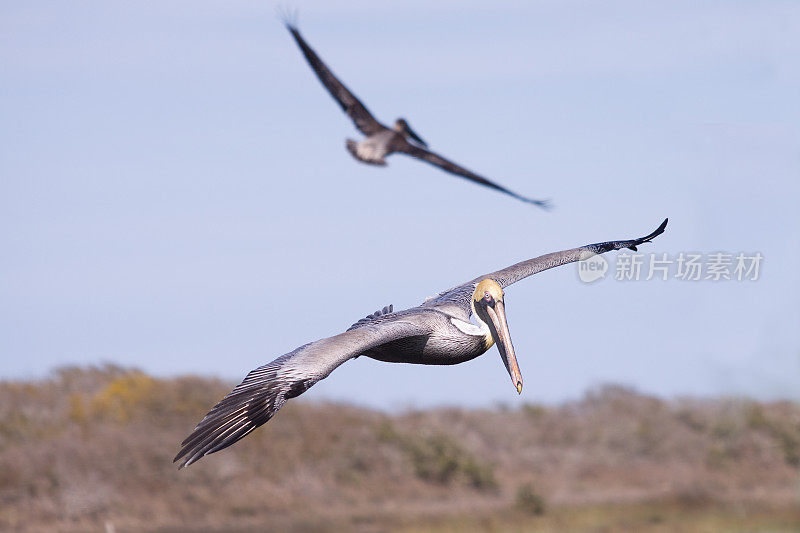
[[382, 141], [436, 332]]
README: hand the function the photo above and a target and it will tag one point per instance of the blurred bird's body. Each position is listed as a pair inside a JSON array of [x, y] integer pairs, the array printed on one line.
[[457, 325], [374, 148]]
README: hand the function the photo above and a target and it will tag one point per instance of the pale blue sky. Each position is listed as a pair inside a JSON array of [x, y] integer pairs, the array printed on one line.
[[176, 196]]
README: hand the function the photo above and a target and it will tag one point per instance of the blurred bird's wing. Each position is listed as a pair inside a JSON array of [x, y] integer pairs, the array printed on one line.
[[357, 112], [448, 166], [256, 399]]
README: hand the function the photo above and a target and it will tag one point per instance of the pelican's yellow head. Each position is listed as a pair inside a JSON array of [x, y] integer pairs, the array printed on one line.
[[490, 308], [487, 290]]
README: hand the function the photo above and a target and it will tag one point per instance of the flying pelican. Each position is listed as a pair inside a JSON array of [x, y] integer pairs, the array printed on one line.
[[436, 332], [382, 141]]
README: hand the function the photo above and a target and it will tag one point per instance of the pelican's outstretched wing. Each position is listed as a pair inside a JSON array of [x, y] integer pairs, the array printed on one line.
[[514, 273], [357, 112], [448, 166], [457, 296], [256, 399]]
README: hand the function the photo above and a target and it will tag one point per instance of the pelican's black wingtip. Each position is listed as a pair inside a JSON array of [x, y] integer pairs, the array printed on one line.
[[661, 228], [186, 461], [184, 456], [547, 205], [649, 238], [287, 16], [178, 457]]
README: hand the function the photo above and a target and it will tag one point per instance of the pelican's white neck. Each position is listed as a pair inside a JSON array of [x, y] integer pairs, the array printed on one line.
[[478, 330], [481, 329]]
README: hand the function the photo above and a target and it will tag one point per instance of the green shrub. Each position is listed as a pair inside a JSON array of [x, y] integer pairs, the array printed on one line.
[[479, 475], [529, 501], [438, 458]]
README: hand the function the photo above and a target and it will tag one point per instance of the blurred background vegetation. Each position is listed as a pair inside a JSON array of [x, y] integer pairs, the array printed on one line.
[[91, 449]]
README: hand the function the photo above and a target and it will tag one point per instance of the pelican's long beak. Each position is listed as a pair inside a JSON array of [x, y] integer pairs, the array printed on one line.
[[411, 133], [503, 339]]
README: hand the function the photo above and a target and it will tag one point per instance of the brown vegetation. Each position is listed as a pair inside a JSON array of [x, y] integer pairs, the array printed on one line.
[[91, 448]]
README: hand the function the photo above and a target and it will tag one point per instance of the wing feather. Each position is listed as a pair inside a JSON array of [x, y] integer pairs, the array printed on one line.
[[369, 318], [267, 388], [351, 105], [521, 270], [458, 295], [448, 166]]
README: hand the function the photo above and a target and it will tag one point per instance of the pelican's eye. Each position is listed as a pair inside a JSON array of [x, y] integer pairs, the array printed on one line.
[[488, 298]]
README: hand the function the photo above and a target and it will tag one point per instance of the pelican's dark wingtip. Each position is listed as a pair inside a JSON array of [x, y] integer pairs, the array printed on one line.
[[287, 16], [291, 27], [649, 238], [660, 229], [188, 456], [186, 461], [547, 205]]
